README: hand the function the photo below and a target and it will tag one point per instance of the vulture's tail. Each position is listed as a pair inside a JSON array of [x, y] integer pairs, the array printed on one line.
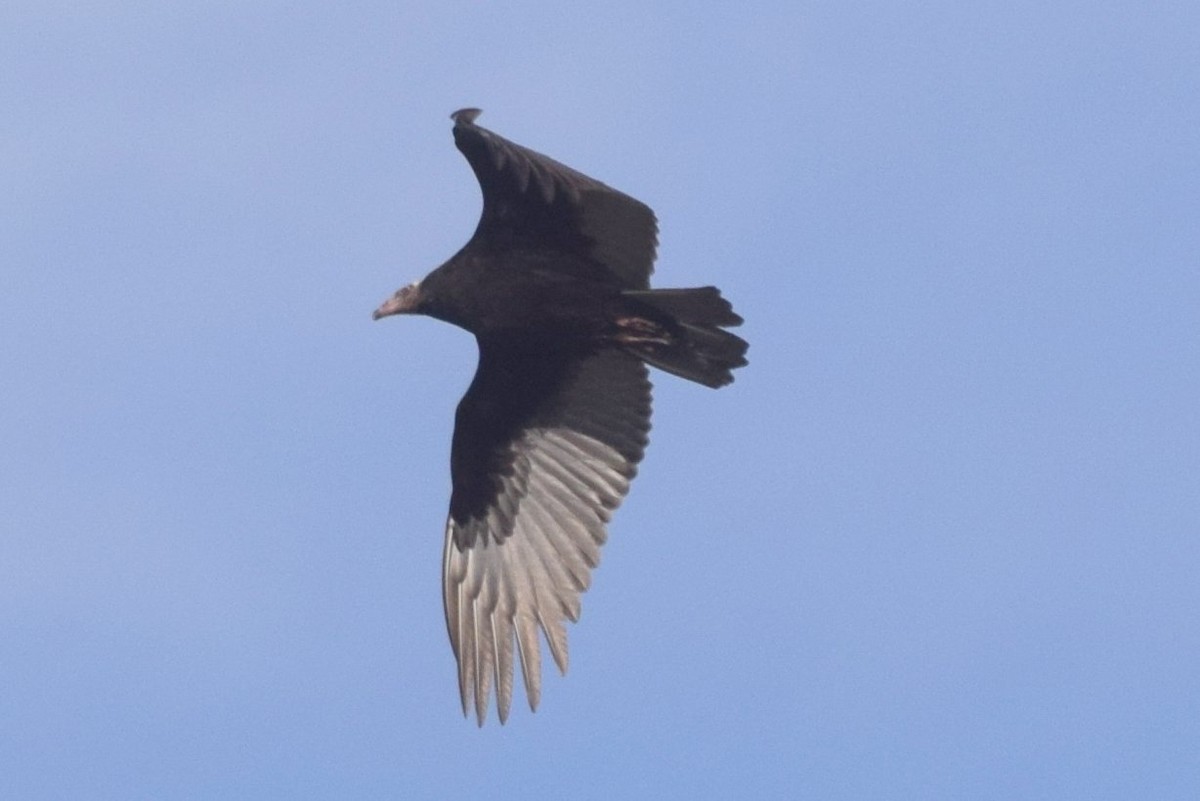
[[692, 344]]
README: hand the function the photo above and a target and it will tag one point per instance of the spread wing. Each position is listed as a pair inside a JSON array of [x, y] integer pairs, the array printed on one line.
[[544, 450], [531, 199]]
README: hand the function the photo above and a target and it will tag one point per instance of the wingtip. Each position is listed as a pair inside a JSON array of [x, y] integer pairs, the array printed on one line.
[[466, 116]]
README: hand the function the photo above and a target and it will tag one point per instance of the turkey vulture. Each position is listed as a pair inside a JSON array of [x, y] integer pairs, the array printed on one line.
[[555, 286]]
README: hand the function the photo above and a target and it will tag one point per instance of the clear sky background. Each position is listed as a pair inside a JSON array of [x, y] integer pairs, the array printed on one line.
[[939, 540]]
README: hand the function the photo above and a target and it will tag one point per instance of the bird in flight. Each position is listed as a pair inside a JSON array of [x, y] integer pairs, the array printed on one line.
[[555, 286]]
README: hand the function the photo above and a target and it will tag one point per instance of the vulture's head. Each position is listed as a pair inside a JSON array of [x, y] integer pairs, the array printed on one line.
[[407, 300]]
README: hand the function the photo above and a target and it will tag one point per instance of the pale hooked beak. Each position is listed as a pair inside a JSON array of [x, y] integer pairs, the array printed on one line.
[[403, 302]]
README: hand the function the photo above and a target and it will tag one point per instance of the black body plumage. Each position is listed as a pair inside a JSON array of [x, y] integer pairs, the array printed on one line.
[[555, 286]]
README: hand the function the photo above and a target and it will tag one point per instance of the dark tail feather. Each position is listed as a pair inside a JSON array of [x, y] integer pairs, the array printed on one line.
[[697, 349], [701, 306]]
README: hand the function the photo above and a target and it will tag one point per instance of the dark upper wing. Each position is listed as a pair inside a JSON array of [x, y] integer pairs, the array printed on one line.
[[531, 199], [533, 489]]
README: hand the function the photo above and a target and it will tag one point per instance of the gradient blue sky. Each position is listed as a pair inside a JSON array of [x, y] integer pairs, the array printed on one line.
[[938, 541]]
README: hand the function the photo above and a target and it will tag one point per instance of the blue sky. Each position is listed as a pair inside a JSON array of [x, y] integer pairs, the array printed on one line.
[[938, 541]]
